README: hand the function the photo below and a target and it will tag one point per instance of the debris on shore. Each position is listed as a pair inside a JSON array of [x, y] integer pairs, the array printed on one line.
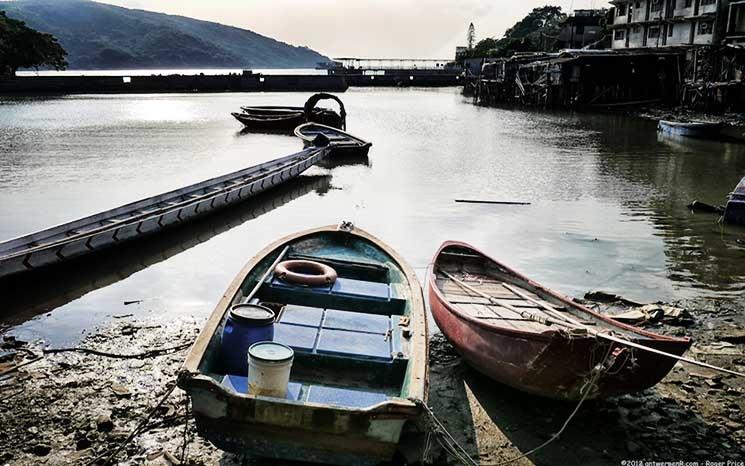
[[86, 407]]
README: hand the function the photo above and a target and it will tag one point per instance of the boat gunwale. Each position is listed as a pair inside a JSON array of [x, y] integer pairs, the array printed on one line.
[[190, 375], [286, 161], [358, 141], [700, 125], [528, 334]]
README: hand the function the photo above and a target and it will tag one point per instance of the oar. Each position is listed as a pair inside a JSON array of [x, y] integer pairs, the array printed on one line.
[[495, 301], [545, 306], [596, 333]]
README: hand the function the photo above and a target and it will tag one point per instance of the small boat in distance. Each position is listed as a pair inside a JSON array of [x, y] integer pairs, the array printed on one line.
[[343, 143], [510, 329], [360, 353], [151, 215], [734, 211], [286, 119], [691, 129]]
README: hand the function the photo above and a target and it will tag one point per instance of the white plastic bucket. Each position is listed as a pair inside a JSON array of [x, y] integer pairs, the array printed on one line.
[[269, 365]]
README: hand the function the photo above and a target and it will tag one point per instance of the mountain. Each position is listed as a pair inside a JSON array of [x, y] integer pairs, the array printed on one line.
[[101, 36]]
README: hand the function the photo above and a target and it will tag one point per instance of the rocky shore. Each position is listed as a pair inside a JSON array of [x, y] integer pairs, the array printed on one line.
[[82, 407]]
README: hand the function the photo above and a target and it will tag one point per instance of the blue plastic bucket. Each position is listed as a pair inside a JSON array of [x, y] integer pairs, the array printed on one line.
[[246, 324]]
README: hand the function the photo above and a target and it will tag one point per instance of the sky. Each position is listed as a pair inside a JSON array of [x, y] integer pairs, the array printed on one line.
[[363, 28]]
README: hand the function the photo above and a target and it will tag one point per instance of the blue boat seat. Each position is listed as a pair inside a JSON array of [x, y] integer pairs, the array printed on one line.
[[337, 333], [316, 393], [344, 294]]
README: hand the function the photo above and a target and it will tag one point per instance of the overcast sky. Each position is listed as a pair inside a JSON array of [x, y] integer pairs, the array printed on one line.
[[363, 28]]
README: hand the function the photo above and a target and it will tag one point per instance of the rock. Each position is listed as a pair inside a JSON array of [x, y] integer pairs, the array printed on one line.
[[104, 422], [733, 425], [701, 453], [714, 383], [83, 443], [120, 390], [632, 447], [735, 336], [41, 449]]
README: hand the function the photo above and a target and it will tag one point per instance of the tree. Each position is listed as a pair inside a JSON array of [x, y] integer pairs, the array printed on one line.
[[535, 32], [471, 36], [23, 47]]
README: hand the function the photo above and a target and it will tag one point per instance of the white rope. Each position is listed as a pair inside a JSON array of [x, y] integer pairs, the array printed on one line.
[[449, 444]]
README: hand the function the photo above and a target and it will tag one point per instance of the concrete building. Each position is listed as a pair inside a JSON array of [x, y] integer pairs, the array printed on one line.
[[660, 23], [583, 28]]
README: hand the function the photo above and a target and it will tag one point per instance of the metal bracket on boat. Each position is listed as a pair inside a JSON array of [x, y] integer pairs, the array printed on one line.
[[345, 226]]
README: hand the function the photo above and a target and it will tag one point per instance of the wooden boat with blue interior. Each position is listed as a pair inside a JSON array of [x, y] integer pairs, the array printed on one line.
[[343, 144], [356, 329]]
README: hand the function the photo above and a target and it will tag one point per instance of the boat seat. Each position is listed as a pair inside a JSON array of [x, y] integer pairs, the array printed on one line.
[[340, 334], [316, 393], [345, 294]]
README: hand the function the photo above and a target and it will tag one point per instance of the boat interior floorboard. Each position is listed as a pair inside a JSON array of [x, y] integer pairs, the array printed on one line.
[[506, 306]]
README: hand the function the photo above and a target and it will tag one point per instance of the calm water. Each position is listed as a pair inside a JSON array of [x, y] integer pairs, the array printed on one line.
[[608, 198]]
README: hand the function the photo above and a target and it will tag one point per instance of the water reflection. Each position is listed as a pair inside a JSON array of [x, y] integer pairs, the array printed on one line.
[[608, 199], [30, 294]]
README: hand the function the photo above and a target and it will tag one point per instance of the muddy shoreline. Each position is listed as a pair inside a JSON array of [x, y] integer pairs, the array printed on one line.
[[78, 408]]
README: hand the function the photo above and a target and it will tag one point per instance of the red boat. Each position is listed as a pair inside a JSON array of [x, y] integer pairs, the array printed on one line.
[[526, 336]]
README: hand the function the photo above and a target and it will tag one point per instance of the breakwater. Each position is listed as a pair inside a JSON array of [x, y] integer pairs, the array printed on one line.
[[233, 82], [246, 82]]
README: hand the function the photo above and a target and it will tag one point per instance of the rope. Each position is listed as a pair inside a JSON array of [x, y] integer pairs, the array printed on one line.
[[146, 354], [450, 445], [141, 427]]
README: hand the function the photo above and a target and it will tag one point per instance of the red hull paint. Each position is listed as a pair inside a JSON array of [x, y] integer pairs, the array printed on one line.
[[550, 364]]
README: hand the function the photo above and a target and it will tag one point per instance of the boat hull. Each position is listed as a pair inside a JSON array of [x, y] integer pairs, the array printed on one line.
[[34, 251], [263, 428], [550, 364], [692, 130], [734, 212], [301, 429]]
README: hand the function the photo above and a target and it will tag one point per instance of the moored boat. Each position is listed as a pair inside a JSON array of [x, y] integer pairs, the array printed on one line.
[[286, 119], [147, 216], [524, 335], [734, 212], [343, 143], [692, 129], [360, 353]]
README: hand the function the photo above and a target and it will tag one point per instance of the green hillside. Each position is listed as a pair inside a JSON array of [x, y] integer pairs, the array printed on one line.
[[100, 36]]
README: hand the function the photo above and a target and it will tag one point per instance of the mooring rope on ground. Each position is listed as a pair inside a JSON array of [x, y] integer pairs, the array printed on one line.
[[458, 451]]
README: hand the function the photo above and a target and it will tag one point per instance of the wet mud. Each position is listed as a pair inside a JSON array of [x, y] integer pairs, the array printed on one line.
[[110, 405]]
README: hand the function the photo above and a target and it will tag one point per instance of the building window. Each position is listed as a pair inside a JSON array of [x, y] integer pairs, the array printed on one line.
[[656, 5], [654, 33], [688, 3], [579, 29], [705, 27], [708, 2], [622, 10], [635, 29], [670, 30], [620, 34]]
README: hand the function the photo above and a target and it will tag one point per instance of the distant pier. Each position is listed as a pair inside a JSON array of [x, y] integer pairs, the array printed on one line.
[[339, 77], [234, 82]]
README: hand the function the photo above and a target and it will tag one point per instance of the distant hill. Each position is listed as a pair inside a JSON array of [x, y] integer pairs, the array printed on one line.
[[100, 36]]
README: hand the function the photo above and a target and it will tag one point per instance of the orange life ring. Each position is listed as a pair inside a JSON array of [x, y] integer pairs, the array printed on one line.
[[307, 273]]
